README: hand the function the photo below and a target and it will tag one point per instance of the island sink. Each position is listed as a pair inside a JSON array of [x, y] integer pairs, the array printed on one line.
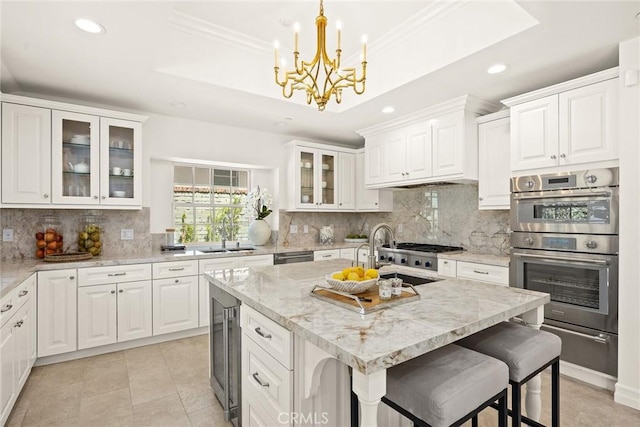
[[406, 278]]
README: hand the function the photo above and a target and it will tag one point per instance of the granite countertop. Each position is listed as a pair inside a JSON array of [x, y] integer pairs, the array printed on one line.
[[12, 273], [502, 261], [448, 310]]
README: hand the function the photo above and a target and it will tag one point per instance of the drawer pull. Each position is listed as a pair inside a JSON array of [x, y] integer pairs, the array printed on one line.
[[23, 293], [176, 269], [326, 256], [6, 308], [19, 324], [117, 274], [480, 272], [262, 334], [258, 380]]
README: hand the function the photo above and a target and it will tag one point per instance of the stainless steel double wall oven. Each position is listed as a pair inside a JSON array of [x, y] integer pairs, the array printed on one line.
[[565, 243]]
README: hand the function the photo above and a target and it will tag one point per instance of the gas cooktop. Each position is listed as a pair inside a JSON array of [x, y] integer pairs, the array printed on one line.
[[418, 255]]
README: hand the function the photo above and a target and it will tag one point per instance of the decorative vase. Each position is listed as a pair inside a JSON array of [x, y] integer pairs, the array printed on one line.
[[259, 232]]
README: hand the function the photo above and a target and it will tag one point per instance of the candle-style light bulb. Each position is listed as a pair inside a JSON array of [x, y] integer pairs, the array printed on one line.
[[364, 48], [339, 27], [296, 29], [276, 46]]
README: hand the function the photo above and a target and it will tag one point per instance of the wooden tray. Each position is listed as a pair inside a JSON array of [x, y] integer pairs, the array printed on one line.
[[365, 302], [68, 257]]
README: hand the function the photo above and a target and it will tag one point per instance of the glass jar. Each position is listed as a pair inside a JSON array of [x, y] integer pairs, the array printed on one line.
[[384, 289], [90, 236], [49, 238], [396, 286]]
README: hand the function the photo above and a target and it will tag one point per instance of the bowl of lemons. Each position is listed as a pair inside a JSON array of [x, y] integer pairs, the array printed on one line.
[[353, 280]]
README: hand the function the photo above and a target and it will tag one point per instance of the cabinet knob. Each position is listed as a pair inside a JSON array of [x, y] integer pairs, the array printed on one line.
[[376, 203], [177, 281], [46, 196], [480, 198], [121, 291], [6, 308], [104, 197], [553, 156], [95, 197], [562, 156], [113, 292], [340, 204], [72, 277]]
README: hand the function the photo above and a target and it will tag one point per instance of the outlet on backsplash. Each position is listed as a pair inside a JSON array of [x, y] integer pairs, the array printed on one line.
[[7, 234], [126, 234]]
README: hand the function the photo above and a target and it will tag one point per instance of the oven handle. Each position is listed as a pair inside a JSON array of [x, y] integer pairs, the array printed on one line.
[[562, 196], [572, 260], [600, 338]]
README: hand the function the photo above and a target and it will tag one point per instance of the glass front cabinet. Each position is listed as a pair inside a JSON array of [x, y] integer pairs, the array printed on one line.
[[315, 178], [94, 160]]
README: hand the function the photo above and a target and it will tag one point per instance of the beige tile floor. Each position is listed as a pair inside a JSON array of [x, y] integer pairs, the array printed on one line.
[[167, 385]]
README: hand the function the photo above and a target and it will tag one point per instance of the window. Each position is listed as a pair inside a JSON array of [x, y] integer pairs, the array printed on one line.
[[208, 202]]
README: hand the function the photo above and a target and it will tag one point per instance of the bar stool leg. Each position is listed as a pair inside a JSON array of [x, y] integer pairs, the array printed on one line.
[[516, 405], [555, 394], [502, 411]]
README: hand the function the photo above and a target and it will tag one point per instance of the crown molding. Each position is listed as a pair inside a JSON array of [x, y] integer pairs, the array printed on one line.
[[197, 27], [468, 103]]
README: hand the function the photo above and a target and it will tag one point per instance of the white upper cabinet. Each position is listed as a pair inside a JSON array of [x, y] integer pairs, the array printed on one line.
[[588, 123], [494, 168], [366, 199], [324, 179], [435, 144], [26, 154], [346, 181], [572, 123], [75, 155], [60, 155]]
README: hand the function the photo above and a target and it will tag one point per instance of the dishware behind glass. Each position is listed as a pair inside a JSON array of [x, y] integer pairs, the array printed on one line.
[[116, 171], [305, 199], [127, 172]]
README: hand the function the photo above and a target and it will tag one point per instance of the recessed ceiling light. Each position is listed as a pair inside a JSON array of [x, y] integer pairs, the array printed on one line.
[[178, 104], [495, 69], [89, 26], [285, 22], [280, 123], [388, 110]]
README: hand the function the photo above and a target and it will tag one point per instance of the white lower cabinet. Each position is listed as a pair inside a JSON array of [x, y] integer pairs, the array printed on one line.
[[17, 344], [57, 312], [175, 304], [480, 272], [326, 254], [97, 311], [113, 313]]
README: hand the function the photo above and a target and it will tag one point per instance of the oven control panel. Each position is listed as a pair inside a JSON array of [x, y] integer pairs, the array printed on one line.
[[590, 243]]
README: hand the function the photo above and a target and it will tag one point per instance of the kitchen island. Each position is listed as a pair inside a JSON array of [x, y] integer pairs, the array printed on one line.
[[448, 310]]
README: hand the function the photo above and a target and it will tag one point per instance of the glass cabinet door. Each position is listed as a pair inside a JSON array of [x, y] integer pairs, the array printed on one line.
[[307, 182], [75, 158], [120, 162], [327, 184]]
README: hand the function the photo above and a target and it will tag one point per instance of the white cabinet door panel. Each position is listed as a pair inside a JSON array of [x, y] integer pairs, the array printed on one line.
[[395, 157], [57, 312], [346, 180], [588, 123], [494, 168], [418, 156], [8, 363], [447, 133], [97, 316], [175, 304], [373, 160], [26, 154], [135, 314], [534, 134]]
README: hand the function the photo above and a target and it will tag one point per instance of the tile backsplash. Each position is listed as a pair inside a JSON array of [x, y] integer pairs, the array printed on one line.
[[442, 214], [24, 223]]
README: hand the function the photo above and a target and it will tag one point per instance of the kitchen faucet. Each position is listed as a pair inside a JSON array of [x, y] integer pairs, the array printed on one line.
[[223, 232], [372, 245]]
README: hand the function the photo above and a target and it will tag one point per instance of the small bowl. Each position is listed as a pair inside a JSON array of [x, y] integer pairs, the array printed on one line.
[[118, 193]]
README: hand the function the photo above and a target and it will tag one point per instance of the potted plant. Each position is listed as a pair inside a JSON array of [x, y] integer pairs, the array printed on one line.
[[257, 207]]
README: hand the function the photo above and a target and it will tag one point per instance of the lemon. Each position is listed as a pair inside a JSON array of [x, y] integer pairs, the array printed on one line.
[[372, 272], [346, 271], [353, 276], [338, 276], [360, 271]]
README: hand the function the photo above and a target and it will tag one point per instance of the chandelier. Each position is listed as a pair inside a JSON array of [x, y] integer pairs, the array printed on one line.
[[322, 77]]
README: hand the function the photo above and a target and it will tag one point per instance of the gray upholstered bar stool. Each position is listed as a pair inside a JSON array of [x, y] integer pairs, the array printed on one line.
[[527, 352], [447, 387]]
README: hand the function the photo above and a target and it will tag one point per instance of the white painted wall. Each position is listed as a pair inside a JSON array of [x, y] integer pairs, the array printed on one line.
[[168, 139], [627, 391]]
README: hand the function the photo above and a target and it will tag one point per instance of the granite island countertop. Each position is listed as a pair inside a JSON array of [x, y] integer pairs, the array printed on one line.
[[448, 310], [14, 272]]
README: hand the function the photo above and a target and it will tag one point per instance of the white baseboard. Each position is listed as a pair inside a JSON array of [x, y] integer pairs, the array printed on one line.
[[589, 376], [95, 351], [627, 396]]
